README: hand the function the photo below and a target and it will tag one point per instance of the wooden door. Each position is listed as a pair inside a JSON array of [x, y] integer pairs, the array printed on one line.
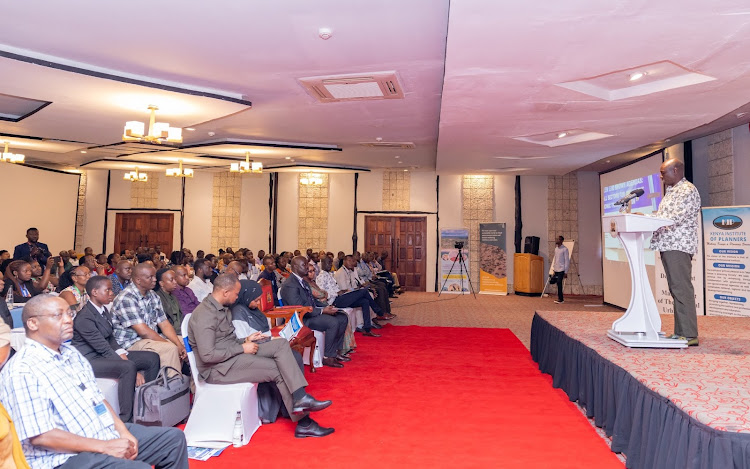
[[404, 239], [133, 230]]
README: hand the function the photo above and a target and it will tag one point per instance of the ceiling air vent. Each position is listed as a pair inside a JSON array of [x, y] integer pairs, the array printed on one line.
[[396, 145], [337, 88]]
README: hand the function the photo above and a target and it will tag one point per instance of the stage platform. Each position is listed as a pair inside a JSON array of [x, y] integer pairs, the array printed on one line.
[[663, 408]]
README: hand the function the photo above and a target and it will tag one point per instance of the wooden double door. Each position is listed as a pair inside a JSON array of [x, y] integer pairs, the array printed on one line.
[[133, 230], [404, 239]]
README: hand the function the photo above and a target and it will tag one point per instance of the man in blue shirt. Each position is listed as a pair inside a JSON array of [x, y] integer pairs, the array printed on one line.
[[32, 248]]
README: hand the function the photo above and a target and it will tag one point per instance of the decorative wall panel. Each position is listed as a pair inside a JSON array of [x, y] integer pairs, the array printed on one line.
[[478, 207], [396, 190], [312, 227], [225, 217], [145, 194]]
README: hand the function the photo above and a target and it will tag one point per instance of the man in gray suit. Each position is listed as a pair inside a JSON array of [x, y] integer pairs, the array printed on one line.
[[222, 358]]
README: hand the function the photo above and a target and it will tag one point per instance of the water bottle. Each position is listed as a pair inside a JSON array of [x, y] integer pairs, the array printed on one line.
[[9, 298], [237, 435]]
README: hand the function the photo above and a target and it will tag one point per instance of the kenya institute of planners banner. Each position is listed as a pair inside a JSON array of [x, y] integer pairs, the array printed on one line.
[[458, 280], [727, 260], [493, 267]]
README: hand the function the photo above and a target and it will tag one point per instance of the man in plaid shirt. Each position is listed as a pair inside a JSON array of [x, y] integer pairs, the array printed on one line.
[[136, 313], [61, 416]]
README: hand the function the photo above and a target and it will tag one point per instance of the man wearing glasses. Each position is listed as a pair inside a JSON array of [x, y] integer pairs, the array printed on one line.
[[61, 417]]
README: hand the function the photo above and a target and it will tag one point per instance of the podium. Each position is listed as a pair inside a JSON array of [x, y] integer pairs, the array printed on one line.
[[528, 274], [640, 326]]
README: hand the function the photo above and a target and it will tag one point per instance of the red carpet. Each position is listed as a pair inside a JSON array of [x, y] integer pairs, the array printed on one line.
[[433, 397]]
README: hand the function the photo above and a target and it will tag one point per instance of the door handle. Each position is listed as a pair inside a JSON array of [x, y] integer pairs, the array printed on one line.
[[398, 253]]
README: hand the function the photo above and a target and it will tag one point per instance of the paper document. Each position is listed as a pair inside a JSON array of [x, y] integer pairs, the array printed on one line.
[[292, 327], [203, 454]]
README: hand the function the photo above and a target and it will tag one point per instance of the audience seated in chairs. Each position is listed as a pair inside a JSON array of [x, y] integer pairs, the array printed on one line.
[[61, 417], [184, 295], [5, 315], [89, 261], [349, 280], [93, 336], [222, 358], [137, 312], [18, 279], [201, 285], [75, 295], [112, 261], [282, 269], [269, 273], [165, 285], [121, 278], [296, 292], [343, 298], [45, 280]]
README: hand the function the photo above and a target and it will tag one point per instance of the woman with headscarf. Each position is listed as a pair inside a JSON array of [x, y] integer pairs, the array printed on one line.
[[247, 319]]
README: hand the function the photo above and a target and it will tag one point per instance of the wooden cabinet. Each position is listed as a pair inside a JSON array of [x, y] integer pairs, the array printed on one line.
[[528, 274]]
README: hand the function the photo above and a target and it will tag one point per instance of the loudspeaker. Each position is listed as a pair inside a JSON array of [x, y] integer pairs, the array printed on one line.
[[531, 245]]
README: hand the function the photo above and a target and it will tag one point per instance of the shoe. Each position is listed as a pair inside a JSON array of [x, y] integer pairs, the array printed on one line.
[[370, 334], [691, 341], [559, 302], [359, 329], [313, 430], [343, 358], [332, 362], [386, 317], [374, 326], [309, 404]]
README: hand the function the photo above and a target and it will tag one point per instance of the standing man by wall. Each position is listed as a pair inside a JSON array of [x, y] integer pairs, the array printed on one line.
[[560, 266], [678, 244]]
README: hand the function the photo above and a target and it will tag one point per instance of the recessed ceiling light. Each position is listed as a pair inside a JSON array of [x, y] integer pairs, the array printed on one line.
[[607, 161], [636, 76], [397, 156], [190, 129], [400, 162], [740, 115], [83, 151], [288, 158], [562, 134], [406, 170]]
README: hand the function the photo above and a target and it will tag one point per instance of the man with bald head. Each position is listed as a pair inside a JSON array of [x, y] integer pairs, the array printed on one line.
[[326, 318], [61, 416], [136, 314], [678, 244]]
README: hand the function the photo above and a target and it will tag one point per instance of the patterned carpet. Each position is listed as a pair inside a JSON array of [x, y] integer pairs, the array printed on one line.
[[513, 312]]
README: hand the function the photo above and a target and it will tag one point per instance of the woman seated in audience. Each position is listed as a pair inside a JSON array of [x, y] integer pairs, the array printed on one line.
[[75, 294], [44, 283], [282, 273], [112, 261], [18, 278]]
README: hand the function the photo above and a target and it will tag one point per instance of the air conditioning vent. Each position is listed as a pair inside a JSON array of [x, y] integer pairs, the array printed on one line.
[[337, 88], [398, 145]]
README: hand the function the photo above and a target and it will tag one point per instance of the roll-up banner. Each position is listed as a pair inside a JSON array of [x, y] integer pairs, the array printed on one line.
[[493, 259], [453, 274], [727, 258]]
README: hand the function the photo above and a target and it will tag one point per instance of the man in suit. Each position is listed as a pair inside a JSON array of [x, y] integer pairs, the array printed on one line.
[[32, 248], [222, 358], [94, 338], [325, 318]]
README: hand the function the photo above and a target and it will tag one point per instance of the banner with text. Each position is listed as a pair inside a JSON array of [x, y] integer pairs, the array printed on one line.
[[453, 275], [493, 270], [727, 260]]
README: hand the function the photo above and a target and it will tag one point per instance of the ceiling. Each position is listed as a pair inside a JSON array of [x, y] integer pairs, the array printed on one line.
[[480, 81]]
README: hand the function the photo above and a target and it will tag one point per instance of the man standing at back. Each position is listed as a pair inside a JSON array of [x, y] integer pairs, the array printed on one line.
[[560, 266], [32, 248], [678, 244]]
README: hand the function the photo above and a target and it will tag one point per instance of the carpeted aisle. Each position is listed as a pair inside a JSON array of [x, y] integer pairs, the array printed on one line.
[[433, 397]]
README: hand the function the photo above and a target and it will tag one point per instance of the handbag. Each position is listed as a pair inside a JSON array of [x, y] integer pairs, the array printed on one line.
[[163, 402]]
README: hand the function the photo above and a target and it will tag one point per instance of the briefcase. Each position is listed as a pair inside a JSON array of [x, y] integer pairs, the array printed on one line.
[[163, 402]]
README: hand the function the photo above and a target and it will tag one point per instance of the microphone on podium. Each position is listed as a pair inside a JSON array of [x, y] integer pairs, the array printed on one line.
[[633, 194]]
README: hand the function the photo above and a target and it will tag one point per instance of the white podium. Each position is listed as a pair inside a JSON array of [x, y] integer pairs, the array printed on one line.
[[640, 326]]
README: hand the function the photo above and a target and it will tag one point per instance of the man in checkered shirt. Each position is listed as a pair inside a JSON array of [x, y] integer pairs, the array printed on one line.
[[61, 416], [136, 313]]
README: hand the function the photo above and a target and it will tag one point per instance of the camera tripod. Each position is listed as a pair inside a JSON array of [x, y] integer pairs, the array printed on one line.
[[461, 269]]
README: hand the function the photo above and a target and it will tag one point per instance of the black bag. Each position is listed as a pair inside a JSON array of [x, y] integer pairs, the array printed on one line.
[[163, 402]]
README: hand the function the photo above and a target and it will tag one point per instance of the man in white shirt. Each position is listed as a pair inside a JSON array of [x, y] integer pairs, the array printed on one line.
[[349, 280], [201, 285], [347, 298], [560, 266]]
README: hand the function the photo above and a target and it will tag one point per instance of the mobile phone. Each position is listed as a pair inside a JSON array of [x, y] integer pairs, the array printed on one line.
[[262, 340]]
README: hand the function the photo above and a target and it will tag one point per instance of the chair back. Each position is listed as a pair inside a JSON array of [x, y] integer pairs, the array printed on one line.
[[266, 297], [191, 355]]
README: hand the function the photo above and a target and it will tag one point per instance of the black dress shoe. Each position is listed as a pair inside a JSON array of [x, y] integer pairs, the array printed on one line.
[[376, 325], [312, 430], [343, 358], [370, 334], [309, 404], [332, 362]]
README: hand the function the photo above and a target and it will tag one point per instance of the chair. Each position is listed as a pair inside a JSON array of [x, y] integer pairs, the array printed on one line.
[[109, 387], [215, 407], [311, 354]]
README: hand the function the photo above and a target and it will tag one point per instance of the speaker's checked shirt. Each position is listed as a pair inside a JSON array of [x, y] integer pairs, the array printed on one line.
[[681, 204]]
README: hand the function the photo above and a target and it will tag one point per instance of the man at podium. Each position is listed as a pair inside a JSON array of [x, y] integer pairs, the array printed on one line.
[[678, 244]]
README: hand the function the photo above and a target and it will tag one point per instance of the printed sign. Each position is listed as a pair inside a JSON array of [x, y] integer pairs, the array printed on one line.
[[493, 259], [454, 277]]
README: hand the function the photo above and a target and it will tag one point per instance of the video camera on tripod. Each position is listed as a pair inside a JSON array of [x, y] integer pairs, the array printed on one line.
[[459, 245]]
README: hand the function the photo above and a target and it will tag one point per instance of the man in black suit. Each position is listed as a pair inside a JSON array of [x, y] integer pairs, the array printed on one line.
[[32, 249], [94, 338], [328, 319]]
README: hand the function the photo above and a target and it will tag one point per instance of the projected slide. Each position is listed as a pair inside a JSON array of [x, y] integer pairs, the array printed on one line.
[[643, 174]]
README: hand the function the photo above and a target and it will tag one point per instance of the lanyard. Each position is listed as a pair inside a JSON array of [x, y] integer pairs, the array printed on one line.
[[122, 287], [25, 291]]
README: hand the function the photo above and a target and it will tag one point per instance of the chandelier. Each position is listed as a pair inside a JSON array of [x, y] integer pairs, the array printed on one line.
[[180, 172], [311, 179], [158, 132], [247, 166], [135, 176], [8, 157]]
